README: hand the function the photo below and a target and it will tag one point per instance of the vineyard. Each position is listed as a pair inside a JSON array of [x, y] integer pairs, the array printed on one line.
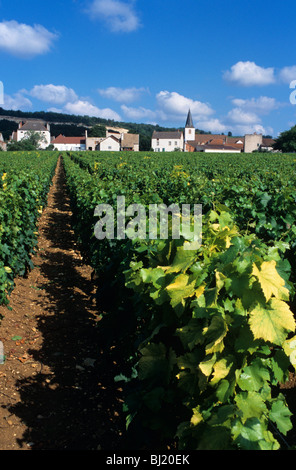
[[205, 337]]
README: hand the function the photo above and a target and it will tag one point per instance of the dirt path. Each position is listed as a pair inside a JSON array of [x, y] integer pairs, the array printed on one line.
[[55, 391]]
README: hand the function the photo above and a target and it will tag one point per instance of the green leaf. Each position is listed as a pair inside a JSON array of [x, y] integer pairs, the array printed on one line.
[[215, 438], [253, 435], [215, 334], [156, 362], [253, 377], [280, 415], [16, 338], [182, 260], [191, 334], [251, 404]]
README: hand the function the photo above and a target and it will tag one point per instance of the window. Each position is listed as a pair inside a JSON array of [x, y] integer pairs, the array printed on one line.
[[176, 143], [170, 143]]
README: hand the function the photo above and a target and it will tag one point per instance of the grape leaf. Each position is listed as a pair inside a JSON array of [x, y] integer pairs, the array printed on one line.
[[280, 415], [272, 322], [270, 281]]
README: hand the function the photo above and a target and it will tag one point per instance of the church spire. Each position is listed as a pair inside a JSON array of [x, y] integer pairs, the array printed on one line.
[[189, 122], [189, 132]]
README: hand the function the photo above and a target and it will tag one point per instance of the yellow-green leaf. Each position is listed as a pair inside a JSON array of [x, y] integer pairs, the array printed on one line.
[[215, 334], [270, 281], [289, 347], [196, 417], [180, 289], [272, 322], [221, 370], [207, 366]]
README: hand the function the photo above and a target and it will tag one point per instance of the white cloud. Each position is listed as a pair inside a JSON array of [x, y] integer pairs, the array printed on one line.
[[139, 113], [287, 74], [261, 105], [16, 102], [122, 95], [249, 74], [242, 129], [25, 41], [120, 16], [57, 94], [84, 108], [238, 115], [243, 122], [212, 125], [173, 106]]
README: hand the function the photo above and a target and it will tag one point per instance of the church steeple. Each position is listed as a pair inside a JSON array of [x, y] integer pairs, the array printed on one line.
[[189, 122], [189, 128]]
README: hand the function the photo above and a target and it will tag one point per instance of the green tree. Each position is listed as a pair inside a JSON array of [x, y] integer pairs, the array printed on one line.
[[286, 142], [97, 131], [32, 141]]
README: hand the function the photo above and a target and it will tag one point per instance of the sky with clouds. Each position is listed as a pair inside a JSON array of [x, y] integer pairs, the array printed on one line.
[[148, 61]]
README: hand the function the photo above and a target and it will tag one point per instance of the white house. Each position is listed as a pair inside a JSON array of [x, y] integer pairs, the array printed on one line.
[[114, 141], [2, 143], [167, 141], [63, 143], [110, 143], [175, 140], [25, 129]]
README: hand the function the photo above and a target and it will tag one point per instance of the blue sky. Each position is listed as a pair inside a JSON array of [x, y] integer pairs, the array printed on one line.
[[148, 61]]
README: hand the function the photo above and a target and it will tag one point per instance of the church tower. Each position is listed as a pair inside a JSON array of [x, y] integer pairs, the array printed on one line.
[[189, 128]]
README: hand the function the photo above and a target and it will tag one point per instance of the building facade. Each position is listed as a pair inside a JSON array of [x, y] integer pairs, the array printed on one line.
[[189, 141], [115, 141], [63, 143], [167, 141], [26, 129]]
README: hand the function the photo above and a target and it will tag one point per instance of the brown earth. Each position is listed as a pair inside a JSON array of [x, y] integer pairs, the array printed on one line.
[[56, 385]]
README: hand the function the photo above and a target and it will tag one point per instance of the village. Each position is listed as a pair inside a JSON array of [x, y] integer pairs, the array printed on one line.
[[119, 139]]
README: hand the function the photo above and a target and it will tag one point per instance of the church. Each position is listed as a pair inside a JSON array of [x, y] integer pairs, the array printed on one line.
[[172, 141], [189, 141]]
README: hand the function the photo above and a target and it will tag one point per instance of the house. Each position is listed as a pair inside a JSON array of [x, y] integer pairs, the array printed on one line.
[[2, 143], [215, 143], [189, 141], [256, 142], [167, 141], [25, 129], [115, 140], [110, 143], [63, 143], [130, 142]]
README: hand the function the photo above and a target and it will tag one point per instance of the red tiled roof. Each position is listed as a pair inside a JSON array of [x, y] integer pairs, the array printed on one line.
[[61, 139]]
